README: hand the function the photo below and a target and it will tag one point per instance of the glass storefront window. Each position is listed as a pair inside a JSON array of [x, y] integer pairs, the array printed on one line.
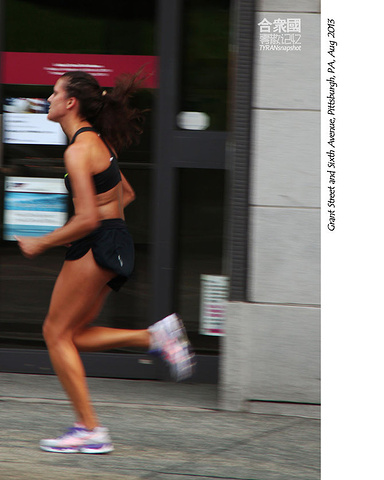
[[26, 285], [200, 245], [205, 62], [70, 26], [75, 28], [126, 29], [78, 28]]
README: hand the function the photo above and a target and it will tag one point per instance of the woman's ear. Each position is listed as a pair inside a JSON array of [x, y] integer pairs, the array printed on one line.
[[71, 102]]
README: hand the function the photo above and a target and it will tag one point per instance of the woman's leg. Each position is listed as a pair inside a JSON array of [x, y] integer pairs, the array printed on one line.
[[94, 339], [79, 287]]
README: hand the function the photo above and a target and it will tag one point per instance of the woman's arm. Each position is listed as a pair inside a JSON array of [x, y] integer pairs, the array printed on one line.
[[85, 218]]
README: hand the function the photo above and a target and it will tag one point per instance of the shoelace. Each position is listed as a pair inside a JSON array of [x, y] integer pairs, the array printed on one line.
[[71, 431]]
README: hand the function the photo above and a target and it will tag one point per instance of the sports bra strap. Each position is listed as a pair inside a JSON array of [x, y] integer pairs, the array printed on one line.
[[91, 129], [109, 148], [81, 130]]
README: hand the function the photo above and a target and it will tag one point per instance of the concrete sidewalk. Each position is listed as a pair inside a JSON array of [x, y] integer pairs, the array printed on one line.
[[161, 431]]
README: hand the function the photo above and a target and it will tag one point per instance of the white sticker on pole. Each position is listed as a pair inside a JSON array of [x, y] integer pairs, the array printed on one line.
[[213, 304]]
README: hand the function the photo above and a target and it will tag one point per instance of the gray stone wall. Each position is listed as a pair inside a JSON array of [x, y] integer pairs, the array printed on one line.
[[272, 348]]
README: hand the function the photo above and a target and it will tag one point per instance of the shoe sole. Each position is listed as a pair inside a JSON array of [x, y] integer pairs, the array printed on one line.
[[93, 450]]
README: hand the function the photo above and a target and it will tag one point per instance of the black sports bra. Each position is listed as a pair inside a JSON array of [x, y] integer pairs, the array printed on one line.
[[105, 180]]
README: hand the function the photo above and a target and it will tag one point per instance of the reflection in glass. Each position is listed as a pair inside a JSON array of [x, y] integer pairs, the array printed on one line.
[[205, 60], [200, 245]]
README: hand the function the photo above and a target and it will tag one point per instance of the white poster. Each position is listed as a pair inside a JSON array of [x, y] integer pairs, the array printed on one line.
[[25, 122]]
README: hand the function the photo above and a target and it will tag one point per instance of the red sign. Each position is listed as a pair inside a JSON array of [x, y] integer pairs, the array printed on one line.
[[28, 68]]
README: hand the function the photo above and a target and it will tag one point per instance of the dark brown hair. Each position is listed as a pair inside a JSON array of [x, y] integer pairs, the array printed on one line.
[[110, 113]]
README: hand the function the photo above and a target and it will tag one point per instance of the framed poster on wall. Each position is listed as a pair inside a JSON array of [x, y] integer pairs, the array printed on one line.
[[33, 206]]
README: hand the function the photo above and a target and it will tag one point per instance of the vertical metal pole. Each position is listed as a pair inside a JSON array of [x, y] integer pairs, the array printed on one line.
[[164, 187], [239, 146], [2, 23]]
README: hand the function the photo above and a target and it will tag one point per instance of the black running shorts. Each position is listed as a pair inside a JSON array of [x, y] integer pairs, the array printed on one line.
[[112, 247]]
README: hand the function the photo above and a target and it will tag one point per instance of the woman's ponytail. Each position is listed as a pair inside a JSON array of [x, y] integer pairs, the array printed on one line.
[[119, 122], [110, 113]]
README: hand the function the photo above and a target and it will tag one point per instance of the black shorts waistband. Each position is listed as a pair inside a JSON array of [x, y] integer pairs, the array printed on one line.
[[112, 223]]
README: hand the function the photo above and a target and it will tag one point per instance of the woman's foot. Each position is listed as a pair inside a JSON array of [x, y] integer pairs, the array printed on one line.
[[79, 440], [169, 338]]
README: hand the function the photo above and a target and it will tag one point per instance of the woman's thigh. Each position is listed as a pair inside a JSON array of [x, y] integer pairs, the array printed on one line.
[[78, 288]]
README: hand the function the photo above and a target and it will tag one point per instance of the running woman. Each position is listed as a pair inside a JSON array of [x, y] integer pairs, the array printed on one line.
[[100, 256]]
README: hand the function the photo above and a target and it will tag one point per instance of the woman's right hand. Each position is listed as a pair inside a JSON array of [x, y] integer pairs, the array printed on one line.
[[31, 246]]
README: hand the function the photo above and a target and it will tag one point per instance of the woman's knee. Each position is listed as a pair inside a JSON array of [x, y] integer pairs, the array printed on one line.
[[53, 333], [49, 332]]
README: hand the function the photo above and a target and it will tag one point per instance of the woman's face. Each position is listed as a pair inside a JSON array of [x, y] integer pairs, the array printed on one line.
[[58, 101]]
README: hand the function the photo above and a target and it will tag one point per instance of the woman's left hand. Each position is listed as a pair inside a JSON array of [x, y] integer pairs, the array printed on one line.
[[30, 246]]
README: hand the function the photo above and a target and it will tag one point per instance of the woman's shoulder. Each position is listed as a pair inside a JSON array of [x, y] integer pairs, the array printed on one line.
[[77, 155]]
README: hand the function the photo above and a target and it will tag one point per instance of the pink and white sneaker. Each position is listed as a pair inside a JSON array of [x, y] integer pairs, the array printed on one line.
[[79, 440], [169, 339]]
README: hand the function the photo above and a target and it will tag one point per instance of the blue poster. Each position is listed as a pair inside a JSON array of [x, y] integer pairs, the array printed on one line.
[[33, 206]]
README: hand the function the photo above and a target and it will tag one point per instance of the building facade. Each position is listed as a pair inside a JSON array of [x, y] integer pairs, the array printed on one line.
[[271, 351]]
